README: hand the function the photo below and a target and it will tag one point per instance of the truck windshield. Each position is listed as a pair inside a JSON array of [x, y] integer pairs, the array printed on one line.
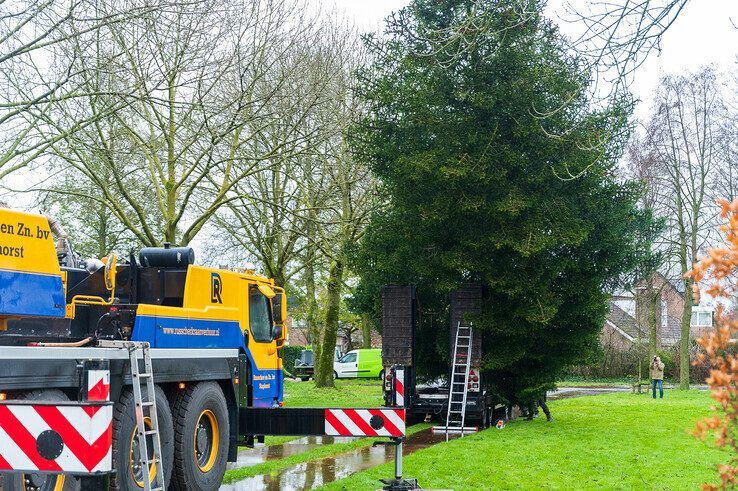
[[260, 319], [349, 358]]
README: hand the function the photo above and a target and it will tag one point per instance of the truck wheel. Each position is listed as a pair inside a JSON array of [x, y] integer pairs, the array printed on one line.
[[335, 374], [129, 473], [41, 482], [200, 437]]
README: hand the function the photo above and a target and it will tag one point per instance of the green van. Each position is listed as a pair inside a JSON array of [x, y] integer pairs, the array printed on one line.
[[363, 363]]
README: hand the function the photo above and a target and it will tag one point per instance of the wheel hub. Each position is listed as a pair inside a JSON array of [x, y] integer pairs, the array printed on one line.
[[206, 441], [202, 439]]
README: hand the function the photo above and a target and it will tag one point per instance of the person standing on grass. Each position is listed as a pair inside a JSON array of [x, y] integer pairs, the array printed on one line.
[[539, 402], [544, 406], [657, 376]]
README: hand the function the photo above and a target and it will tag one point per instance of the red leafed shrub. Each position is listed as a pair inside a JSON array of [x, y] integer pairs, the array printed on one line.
[[718, 272]]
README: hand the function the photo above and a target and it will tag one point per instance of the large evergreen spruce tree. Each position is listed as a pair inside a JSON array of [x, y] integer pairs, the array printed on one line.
[[497, 170]]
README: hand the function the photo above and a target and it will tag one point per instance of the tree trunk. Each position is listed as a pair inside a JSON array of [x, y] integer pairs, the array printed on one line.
[[279, 277], [366, 331], [684, 341], [313, 329], [102, 234], [324, 378], [654, 310], [313, 324]]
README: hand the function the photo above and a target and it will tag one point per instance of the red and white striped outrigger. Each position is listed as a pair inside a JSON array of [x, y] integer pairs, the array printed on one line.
[[371, 422], [365, 422]]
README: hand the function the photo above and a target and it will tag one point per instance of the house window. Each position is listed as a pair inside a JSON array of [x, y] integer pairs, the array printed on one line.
[[701, 319], [664, 314]]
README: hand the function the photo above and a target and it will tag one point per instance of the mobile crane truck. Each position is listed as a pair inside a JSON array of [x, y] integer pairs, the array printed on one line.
[[141, 373]]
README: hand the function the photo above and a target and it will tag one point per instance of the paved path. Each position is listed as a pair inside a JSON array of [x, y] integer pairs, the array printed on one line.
[[566, 392]]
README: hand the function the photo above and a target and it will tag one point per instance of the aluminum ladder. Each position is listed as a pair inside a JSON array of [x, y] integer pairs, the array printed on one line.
[[459, 384], [146, 409]]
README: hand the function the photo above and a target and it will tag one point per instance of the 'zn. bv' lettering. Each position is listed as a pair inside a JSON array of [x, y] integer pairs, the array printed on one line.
[[25, 231]]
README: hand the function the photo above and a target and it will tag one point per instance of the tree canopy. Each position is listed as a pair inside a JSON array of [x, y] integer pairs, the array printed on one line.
[[496, 169]]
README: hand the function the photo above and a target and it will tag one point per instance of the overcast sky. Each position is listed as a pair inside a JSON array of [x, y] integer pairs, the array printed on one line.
[[703, 34]]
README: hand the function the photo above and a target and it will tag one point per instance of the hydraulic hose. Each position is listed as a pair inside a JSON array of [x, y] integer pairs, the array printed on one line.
[[75, 344]]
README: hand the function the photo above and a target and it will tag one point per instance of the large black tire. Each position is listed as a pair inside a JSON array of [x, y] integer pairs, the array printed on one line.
[[201, 430], [23, 482], [128, 475]]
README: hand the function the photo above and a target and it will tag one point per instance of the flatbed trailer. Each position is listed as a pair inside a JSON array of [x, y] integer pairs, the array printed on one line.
[[429, 401]]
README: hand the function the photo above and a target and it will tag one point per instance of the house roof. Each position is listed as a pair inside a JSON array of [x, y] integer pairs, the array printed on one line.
[[623, 322], [674, 282]]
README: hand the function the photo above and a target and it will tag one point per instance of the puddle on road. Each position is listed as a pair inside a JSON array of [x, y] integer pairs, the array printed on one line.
[[259, 455], [311, 474]]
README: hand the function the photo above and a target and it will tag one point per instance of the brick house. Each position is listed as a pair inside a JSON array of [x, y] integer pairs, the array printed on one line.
[[622, 328]]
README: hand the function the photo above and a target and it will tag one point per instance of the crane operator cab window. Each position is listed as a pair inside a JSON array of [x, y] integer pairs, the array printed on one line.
[[260, 316]]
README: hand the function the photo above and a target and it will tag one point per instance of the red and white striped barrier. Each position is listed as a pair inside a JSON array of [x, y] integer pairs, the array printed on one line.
[[98, 385], [59, 436], [54, 437], [365, 422], [399, 387]]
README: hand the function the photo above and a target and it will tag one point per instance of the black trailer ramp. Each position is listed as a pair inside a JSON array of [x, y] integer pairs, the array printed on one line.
[[465, 301]]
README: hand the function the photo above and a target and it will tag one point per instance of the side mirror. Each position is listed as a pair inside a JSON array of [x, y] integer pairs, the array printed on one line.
[[279, 303], [110, 263], [277, 332]]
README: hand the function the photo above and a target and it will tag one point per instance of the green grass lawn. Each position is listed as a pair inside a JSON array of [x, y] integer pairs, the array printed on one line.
[[347, 393], [613, 441]]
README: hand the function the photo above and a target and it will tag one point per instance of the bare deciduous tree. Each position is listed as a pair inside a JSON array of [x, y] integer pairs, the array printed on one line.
[[355, 199], [685, 137], [270, 219], [35, 78], [208, 108], [616, 38]]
